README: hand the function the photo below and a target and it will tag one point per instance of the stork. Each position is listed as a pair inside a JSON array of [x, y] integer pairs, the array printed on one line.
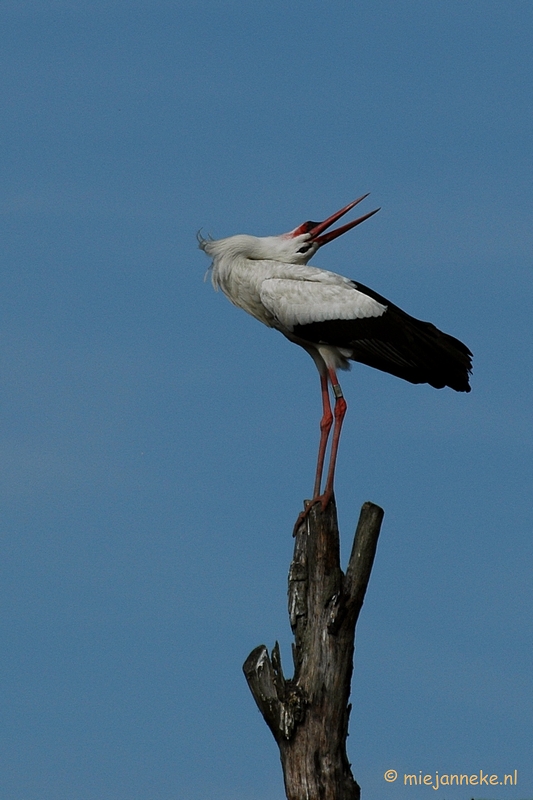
[[335, 319]]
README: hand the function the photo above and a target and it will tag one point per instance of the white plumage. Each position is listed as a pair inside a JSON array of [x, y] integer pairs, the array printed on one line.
[[315, 300], [332, 317]]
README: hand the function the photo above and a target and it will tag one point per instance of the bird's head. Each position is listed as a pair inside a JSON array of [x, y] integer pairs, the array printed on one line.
[[305, 240], [296, 247]]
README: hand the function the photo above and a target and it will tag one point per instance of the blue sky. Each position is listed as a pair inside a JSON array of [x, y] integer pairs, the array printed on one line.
[[157, 443]]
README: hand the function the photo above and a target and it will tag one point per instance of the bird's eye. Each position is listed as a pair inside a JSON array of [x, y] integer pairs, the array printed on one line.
[[304, 248]]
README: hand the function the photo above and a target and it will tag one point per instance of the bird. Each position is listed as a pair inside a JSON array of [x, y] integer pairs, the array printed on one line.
[[335, 319]]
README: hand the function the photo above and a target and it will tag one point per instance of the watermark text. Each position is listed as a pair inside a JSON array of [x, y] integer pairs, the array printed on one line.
[[436, 780]]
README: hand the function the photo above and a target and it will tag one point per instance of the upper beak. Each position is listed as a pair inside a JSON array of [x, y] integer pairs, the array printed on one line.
[[316, 228]]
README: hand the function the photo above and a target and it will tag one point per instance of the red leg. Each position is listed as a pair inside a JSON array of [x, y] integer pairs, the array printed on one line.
[[340, 411], [325, 427]]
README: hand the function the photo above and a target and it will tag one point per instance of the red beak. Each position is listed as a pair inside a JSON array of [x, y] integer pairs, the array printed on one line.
[[316, 228]]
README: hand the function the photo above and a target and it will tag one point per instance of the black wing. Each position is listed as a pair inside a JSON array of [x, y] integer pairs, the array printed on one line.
[[397, 343]]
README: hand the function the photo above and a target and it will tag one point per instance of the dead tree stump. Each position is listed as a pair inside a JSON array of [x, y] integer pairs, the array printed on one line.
[[308, 713]]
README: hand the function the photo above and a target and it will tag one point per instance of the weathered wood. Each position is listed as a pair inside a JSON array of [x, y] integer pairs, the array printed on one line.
[[308, 714]]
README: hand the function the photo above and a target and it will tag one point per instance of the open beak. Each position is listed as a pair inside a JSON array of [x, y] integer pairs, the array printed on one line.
[[315, 229]]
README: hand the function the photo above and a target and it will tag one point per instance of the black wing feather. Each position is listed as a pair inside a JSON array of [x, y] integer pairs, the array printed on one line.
[[397, 343]]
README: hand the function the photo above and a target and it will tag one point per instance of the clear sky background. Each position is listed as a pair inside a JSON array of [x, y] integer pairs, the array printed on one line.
[[157, 443]]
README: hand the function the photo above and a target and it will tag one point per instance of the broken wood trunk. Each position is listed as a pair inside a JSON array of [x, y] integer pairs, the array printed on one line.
[[308, 714]]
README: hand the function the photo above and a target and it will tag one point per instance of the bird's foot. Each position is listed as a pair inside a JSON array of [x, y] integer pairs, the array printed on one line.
[[302, 516], [323, 499]]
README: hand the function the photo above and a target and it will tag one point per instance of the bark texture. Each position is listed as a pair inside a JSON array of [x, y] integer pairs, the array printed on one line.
[[308, 714]]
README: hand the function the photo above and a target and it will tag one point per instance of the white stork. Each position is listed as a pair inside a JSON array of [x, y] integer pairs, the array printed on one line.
[[332, 317]]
